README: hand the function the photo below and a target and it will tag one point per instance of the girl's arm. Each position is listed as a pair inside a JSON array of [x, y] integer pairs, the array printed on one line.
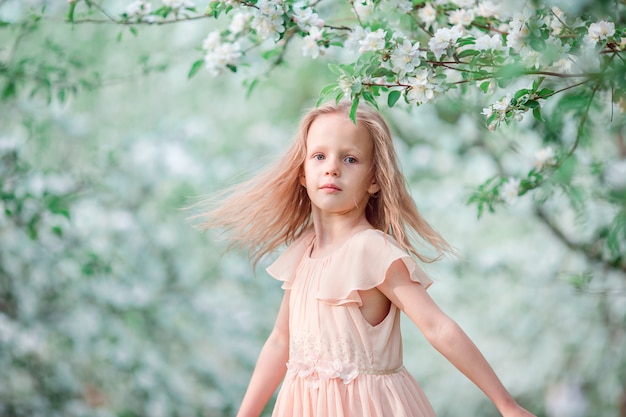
[[445, 335], [270, 367]]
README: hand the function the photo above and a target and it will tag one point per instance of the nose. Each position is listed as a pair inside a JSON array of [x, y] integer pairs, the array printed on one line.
[[332, 168]]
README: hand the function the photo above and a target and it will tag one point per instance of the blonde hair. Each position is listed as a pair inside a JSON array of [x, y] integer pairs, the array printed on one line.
[[273, 208]]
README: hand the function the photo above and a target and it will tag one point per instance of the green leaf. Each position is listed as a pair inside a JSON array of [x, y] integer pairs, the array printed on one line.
[[466, 41], [544, 93], [393, 97], [328, 89], [195, 67], [133, 30], [353, 109], [162, 11], [537, 43], [70, 14], [581, 281], [334, 68], [485, 86], [537, 114], [520, 93], [370, 99], [617, 234], [213, 9], [532, 104], [271, 53], [508, 72], [9, 90], [251, 87], [468, 52], [382, 72], [61, 95]]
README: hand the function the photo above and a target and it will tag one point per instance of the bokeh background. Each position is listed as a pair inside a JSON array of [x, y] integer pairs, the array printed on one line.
[[113, 304]]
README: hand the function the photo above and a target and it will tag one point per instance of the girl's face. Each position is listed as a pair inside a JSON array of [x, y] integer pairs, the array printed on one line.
[[338, 165]]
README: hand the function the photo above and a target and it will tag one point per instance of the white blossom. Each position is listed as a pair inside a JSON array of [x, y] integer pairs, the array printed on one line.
[[544, 157], [427, 14], [615, 175], [239, 22], [177, 4], [518, 31], [212, 41], [352, 43], [600, 31], [364, 9], [306, 18], [500, 108], [563, 65], [443, 39], [565, 61], [219, 55], [404, 6], [422, 88], [268, 21], [346, 83], [510, 190], [461, 17], [487, 9], [373, 41], [486, 43], [555, 22], [138, 9], [311, 46], [405, 57], [395, 6]]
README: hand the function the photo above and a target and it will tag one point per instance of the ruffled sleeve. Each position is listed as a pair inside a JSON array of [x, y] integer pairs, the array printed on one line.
[[284, 267], [362, 265]]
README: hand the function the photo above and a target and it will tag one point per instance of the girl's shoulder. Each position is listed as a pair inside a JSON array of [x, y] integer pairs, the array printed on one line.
[[362, 264], [375, 241]]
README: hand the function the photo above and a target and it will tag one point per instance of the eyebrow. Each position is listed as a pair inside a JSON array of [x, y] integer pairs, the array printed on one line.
[[346, 150]]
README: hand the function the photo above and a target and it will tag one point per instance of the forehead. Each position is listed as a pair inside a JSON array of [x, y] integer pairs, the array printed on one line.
[[336, 129]]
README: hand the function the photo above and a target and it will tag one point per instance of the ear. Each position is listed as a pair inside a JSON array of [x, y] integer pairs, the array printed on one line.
[[373, 188], [303, 180]]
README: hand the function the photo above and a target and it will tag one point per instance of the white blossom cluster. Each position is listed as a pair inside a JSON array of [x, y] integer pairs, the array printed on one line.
[[510, 189], [268, 19], [310, 23], [178, 4], [500, 109], [420, 67], [140, 10], [219, 55]]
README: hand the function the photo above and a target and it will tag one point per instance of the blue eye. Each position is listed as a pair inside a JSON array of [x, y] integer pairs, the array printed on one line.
[[318, 156], [350, 160]]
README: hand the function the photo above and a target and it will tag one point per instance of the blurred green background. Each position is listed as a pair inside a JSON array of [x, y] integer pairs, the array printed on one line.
[[113, 304]]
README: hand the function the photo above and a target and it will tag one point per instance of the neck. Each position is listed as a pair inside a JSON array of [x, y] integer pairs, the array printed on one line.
[[333, 230]]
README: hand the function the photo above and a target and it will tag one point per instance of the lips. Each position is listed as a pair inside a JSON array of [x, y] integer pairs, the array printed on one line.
[[330, 187]]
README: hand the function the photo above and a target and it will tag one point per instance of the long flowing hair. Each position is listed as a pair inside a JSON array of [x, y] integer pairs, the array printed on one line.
[[273, 208]]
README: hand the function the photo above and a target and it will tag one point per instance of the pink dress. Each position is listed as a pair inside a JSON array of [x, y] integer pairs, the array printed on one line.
[[339, 364]]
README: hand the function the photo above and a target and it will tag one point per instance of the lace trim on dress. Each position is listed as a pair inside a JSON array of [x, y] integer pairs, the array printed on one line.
[[312, 371]]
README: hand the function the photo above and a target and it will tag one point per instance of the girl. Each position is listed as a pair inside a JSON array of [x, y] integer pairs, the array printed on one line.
[[339, 199]]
